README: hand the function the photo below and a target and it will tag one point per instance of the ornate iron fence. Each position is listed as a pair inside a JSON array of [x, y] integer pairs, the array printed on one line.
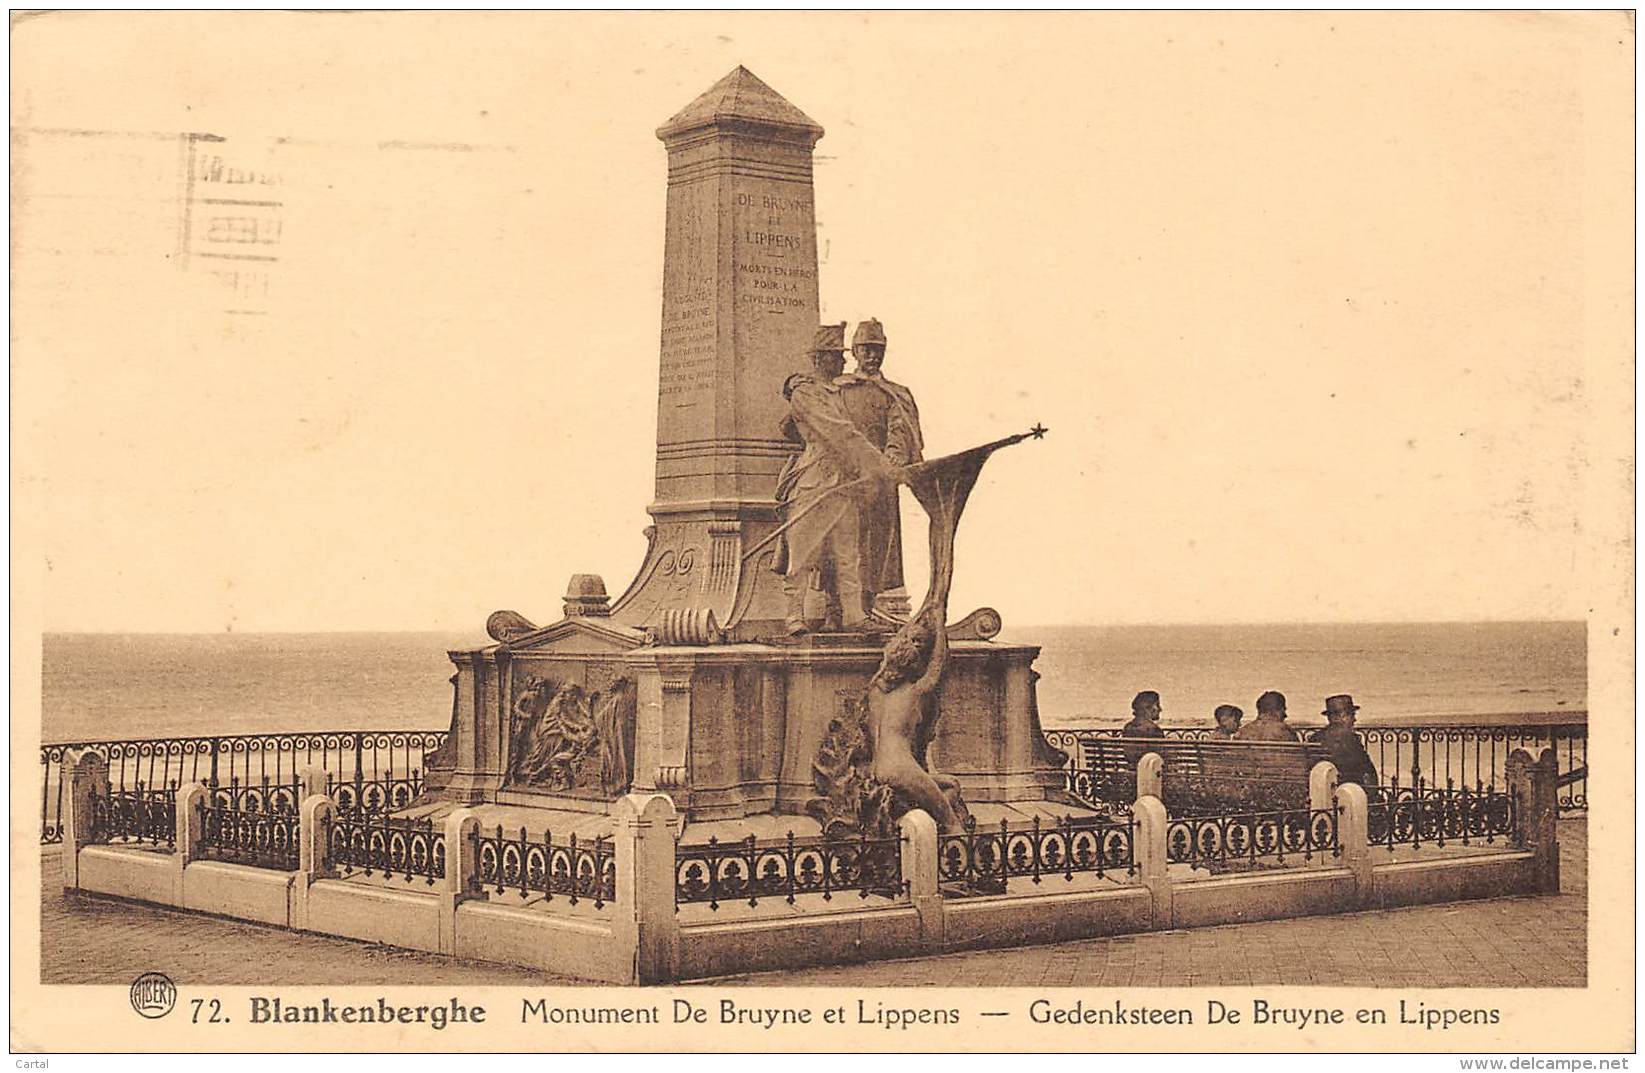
[[1463, 753], [368, 796], [136, 816], [262, 839], [389, 847], [1476, 754], [716, 871], [1247, 837], [362, 764], [357, 756], [263, 796], [1421, 814], [983, 861], [578, 870]]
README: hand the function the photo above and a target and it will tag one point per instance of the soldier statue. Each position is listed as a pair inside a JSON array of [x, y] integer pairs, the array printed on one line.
[[884, 412], [822, 529]]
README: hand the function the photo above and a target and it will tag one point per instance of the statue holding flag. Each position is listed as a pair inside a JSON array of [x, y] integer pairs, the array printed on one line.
[[872, 767], [823, 522]]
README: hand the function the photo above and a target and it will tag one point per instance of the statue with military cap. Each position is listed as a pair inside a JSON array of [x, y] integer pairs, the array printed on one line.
[[822, 527], [884, 412]]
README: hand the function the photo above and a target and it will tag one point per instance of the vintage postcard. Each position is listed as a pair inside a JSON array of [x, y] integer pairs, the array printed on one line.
[[823, 531]]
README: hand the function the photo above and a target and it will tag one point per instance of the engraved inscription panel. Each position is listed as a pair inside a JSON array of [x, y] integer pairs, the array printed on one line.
[[776, 249], [774, 292], [690, 281]]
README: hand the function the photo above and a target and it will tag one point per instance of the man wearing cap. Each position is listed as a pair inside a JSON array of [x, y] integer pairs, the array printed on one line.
[[1342, 745], [1270, 724], [885, 413], [823, 525]]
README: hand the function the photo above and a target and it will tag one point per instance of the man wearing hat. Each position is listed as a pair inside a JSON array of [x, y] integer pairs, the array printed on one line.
[[1342, 745], [885, 413], [823, 526], [1270, 724]]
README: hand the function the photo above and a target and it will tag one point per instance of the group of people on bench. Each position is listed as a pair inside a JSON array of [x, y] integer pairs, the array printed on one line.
[[1342, 745]]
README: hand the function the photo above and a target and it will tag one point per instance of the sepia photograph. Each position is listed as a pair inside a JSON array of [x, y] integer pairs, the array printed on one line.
[[823, 531]]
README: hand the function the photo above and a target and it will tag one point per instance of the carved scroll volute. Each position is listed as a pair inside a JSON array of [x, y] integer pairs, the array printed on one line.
[[506, 626], [983, 624]]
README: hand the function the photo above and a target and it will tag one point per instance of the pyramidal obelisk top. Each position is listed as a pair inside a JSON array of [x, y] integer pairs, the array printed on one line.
[[740, 95], [739, 313]]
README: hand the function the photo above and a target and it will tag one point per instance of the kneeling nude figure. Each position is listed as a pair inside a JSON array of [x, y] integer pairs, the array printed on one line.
[[901, 706]]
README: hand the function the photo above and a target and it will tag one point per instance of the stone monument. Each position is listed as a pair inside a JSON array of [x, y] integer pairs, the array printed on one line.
[[686, 683], [739, 311]]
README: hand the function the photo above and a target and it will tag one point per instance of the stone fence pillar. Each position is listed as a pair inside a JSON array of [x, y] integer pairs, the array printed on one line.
[[191, 820], [919, 870], [314, 816], [1151, 776], [1534, 786], [87, 773], [462, 872], [1150, 853], [189, 834], [644, 918], [1322, 785], [1352, 824]]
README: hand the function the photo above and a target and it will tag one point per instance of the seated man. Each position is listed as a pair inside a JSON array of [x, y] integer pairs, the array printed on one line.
[[1342, 745], [1270, 724], [1228, 719], [1145, 713]]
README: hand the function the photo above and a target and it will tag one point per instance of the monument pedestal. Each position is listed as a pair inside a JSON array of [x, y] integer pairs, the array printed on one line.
[[727, 731]]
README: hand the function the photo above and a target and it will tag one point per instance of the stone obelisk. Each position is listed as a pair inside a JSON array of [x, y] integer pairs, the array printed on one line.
[[739, 313]]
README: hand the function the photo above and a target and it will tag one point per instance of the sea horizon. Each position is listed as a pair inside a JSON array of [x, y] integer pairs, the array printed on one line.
[[112, 685]]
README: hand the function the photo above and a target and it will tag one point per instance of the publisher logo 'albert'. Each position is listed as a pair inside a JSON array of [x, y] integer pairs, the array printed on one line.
[[153, 994]]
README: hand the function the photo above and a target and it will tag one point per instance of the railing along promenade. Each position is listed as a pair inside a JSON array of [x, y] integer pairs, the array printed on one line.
[[641, 904], [1467, 753], [371, 771]]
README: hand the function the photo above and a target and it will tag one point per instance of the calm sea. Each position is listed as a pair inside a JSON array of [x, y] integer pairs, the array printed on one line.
[[146, 685]]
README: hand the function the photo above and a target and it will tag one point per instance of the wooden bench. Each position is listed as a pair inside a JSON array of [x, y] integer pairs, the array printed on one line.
[[1205, 776]]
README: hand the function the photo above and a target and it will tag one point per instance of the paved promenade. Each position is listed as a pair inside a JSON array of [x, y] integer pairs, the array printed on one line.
[[1504, 942]]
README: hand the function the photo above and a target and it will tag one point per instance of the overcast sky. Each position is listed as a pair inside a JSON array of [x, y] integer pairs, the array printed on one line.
[[1322, 310]]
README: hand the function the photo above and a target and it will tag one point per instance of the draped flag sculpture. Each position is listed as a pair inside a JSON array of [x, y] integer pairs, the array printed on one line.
[[872, 766]]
